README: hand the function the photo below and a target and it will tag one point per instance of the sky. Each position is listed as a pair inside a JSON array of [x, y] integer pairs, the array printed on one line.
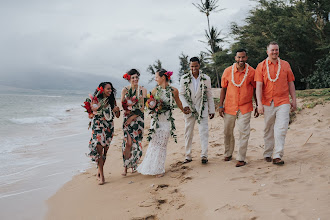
[[78, 43]]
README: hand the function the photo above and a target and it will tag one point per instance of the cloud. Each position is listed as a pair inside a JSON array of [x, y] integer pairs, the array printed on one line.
[[103, 38]]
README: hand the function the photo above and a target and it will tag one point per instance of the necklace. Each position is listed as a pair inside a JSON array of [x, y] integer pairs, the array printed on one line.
[[167, 107], [245, 75], [278, 70], [187, 95]]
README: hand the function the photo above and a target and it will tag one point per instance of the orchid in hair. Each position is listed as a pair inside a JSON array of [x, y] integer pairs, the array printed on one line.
[[169, 74]]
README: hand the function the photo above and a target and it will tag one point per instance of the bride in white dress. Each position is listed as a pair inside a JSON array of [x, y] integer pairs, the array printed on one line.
[[162, 126]]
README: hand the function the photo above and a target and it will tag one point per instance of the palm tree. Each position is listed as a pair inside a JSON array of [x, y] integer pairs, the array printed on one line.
[[213, 40], [212, 35], [207, 7]]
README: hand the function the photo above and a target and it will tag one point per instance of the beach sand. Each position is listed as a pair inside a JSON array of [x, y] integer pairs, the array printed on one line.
[[218, 190]]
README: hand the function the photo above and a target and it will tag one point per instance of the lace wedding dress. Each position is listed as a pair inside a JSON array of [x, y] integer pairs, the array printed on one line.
[[154, 160]]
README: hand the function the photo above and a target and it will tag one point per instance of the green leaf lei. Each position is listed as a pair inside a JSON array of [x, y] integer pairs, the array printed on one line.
[[187, 95], [166, 107]]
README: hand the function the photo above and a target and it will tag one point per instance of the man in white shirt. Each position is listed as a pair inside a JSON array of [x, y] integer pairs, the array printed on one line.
[[197, 101]]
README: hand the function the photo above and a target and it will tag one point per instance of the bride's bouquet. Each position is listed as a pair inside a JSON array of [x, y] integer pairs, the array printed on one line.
[[154, 104]]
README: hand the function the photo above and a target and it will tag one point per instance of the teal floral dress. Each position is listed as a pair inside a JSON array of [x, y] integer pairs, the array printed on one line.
[[102, 133], [134, 131]]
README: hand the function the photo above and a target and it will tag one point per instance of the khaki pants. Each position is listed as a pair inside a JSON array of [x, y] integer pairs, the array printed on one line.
[[243, 122], [276, 127], [203, 128]]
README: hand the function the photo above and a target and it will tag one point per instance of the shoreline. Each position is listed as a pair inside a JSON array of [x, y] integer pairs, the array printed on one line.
[[218, 189]]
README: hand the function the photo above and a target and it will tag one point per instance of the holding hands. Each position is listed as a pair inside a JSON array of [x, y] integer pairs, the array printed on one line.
[[186, 110]]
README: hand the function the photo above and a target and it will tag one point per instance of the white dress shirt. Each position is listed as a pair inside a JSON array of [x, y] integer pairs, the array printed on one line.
[[196, 81]]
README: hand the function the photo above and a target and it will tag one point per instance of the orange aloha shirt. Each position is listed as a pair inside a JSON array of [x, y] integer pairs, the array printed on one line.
[[238, 98], [274, 91]]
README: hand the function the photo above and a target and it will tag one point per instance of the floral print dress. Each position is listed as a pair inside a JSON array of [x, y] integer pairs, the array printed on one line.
[[102, 132], [135, 131]]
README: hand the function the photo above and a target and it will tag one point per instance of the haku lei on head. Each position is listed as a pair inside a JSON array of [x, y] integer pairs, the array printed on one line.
[[198, 115], [245, 75], [161, 110], [278, 70]]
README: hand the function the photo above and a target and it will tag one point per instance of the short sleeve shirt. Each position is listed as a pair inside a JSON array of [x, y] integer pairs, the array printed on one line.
[[274, 91], [238, 98]]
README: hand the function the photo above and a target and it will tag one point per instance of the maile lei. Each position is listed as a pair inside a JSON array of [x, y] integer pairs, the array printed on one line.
[[166, 106], [187, 95], [245, 75], [278, 70]]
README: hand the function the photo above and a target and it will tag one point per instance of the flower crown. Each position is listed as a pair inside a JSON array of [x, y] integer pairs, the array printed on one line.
[[126, 76], [168, 74]]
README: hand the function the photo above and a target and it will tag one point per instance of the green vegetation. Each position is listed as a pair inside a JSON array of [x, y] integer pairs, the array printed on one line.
[[310, 98], [301, 28]]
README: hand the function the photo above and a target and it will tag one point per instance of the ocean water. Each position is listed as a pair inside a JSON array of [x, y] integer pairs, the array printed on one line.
[[43, 142]]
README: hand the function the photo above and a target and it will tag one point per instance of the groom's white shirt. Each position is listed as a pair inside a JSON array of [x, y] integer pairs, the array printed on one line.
[[196, 82]]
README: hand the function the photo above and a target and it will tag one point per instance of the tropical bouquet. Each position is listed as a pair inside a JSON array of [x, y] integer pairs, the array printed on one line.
[[131, 102], [154, 104], [93, 105]]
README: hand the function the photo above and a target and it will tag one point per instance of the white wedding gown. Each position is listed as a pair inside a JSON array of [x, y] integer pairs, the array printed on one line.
[[154, 159]]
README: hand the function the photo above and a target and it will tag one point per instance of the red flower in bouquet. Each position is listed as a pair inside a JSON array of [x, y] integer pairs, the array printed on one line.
[[129, 103], [151, 103], [154, 105], [92, 102], [87, 106]]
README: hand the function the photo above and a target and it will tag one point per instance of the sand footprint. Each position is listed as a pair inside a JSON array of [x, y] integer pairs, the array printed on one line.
[[294, 214], [148, 217]]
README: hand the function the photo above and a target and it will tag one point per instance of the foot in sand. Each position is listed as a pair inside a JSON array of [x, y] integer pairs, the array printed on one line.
[[160, 175]]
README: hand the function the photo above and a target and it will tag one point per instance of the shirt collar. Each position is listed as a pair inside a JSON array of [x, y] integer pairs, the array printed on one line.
[[270, 62], [192, 76], [236, 69]]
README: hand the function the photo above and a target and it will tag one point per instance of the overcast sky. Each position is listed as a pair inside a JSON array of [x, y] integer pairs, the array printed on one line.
[[104, 37]]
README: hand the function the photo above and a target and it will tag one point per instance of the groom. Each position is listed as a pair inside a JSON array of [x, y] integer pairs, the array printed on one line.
[[198, 104]]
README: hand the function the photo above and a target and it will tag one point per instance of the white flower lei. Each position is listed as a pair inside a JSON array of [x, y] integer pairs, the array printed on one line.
[[168, 94], [187, 95], [245, 75], [202, 100], [278, 70], [110, 114]]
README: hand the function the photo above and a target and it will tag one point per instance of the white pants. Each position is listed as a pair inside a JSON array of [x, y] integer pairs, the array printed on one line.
[[276, 127], [203, 128], [243, 122]]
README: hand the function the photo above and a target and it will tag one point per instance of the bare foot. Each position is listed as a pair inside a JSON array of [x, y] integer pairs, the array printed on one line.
[[125, 172], [160, 175], [101, 181]]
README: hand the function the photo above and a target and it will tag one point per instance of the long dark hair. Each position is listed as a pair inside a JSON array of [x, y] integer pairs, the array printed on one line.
[[111, 99]]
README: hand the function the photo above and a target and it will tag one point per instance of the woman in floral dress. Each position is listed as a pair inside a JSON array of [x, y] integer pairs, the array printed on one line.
[[132, 98], [162, 126], [102, 126]]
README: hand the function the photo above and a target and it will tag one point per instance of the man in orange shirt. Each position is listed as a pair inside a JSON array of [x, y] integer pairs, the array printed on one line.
[[238, 88], [275, 81]]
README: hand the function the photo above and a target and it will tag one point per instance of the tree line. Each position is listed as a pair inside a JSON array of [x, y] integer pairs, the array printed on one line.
[[301, 28]]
